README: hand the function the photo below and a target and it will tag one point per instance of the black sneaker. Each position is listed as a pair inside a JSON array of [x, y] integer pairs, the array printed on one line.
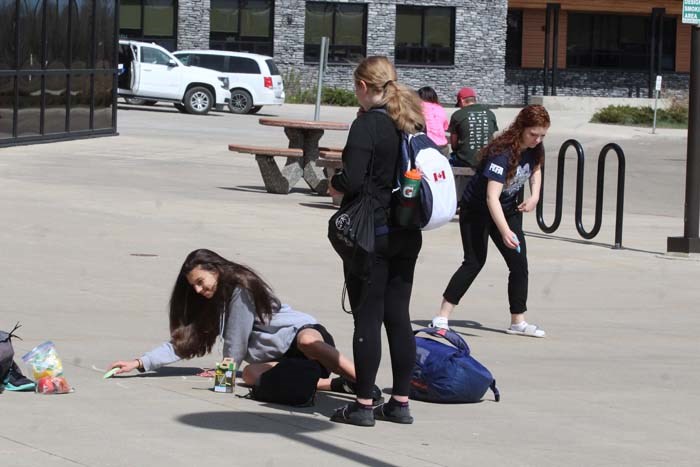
[[346, 386], [16, 381], [354, 414], [393, 411]]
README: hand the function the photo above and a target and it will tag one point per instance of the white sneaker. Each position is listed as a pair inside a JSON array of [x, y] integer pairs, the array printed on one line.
[[440, 322], [524, 329]]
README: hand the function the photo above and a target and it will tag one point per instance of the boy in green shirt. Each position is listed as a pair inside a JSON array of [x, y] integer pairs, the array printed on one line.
[[471, 127]]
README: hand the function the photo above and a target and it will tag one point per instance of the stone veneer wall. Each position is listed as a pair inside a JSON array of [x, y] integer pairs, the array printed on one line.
[[480, 36], [592, 83], [193, 24]]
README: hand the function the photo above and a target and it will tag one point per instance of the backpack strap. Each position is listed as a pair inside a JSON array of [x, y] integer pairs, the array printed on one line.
[[447, 334], [9, 335], [496, 392]]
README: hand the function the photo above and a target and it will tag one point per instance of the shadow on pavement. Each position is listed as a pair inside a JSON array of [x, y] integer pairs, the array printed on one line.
[[292, 427], [455, 324], [327, 205], [261, 189], [586, 242], [164, 372], [325, 404], [162, 109]]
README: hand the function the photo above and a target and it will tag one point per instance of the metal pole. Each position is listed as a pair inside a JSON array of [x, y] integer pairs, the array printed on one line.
[[547, 31], [656, 104], [321, 70], [555, 48], [690, 243], [652, 50]]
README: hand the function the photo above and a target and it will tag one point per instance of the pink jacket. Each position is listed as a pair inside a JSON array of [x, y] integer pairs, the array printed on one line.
[[436, 122]]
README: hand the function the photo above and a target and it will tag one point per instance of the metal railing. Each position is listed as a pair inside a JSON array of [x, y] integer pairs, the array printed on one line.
[[579, 192]]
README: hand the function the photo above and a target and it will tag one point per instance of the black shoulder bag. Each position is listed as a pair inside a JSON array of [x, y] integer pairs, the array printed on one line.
[[351, 230]]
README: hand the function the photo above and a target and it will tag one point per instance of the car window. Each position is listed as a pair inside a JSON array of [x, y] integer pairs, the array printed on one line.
[[213, 62], [243, 65], [154, 56], [274, 71], [184, 58]]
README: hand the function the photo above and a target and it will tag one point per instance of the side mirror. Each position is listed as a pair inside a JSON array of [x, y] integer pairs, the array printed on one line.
[[171, 63]]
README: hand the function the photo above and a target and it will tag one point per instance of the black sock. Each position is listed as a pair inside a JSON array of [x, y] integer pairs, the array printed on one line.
[[364, 406], [396, 403]]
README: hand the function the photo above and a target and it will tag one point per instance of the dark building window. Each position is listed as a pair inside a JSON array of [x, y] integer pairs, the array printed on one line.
[[616, 41], [514, 39], [149, 21], [242, 26], [425, 35], [345, 25], [222, 63], [57, 82]]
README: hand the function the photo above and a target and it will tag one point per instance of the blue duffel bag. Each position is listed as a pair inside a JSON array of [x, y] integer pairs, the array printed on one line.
[[448, 373]]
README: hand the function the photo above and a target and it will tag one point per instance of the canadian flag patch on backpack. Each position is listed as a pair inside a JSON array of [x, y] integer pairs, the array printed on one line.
[[438, 196]]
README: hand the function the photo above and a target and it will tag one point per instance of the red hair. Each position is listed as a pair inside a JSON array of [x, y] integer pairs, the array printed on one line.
[[510, 140]]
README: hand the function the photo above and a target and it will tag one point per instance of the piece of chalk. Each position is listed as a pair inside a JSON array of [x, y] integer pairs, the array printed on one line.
[[110, 373], [515, 239]]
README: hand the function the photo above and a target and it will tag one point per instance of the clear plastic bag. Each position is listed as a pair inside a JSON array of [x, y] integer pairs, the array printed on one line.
[[47, 369], [44, 361]]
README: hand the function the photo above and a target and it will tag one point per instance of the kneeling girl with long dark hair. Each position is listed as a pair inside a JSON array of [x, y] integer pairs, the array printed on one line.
[[215, 297]]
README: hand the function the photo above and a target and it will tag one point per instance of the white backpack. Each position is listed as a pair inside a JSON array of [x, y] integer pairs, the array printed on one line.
[[438, 194]]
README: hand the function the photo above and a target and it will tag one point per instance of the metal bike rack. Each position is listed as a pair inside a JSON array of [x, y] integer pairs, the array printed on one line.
[[579, 192]]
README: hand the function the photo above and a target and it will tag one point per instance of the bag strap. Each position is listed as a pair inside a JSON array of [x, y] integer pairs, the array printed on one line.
[[366, 192], [494, 389], [12, 334], [447, 334]]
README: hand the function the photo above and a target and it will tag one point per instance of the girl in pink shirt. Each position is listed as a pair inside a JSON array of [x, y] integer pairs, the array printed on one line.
[[436, 122]]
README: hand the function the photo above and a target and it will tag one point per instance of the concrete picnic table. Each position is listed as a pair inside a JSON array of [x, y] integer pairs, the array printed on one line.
[[305, 135]]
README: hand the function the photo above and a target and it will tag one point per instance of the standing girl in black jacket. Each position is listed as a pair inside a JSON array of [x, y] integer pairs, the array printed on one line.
[[383, 295]]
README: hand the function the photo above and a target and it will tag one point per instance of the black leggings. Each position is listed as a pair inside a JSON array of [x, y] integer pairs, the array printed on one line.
[[476, 227], [384, 298]]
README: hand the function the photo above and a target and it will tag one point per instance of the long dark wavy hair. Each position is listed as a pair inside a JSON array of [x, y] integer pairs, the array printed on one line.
[[195, 320], [510, 140]]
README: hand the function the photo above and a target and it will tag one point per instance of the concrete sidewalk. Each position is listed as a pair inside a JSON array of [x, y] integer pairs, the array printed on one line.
[[94, 232]]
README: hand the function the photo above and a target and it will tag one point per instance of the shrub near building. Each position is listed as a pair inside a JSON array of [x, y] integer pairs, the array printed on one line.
[[676, 116]]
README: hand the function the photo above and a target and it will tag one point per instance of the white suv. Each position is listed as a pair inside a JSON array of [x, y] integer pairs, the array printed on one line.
[[150, 73], [254, 79]]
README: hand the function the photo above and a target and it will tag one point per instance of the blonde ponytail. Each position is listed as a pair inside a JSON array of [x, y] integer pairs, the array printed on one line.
[[402, 104], [404, 107]]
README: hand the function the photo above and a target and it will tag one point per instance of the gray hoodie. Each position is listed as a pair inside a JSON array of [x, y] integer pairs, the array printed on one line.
[[245, 336]]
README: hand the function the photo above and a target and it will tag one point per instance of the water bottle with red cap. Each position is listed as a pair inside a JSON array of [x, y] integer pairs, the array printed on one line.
[[407, 210]]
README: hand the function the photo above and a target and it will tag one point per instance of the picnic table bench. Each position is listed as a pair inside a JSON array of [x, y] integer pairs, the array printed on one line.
[[303, 151], [275, 180]]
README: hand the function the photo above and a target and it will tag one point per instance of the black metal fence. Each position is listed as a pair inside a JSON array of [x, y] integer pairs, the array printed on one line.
[[578, 216], [58, 69]]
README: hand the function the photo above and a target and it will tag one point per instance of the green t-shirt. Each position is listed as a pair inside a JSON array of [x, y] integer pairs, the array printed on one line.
[[474, 125]]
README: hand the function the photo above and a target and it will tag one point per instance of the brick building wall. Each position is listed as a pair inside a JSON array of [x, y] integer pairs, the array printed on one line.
[[480, 35], [479, 56], [193, 24]]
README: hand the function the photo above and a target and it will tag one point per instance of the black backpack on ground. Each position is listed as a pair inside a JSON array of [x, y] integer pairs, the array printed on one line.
[[7, 354]]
